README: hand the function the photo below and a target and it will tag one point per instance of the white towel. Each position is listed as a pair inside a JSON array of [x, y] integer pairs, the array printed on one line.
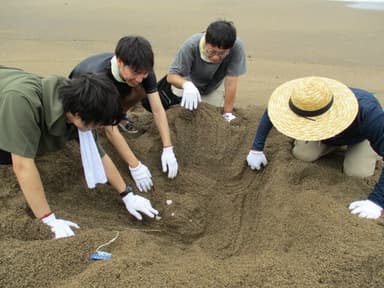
[[90, 157], [115, 70]]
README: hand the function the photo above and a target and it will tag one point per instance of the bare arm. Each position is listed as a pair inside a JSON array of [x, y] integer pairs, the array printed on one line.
[[30, 183], [113, 175], [139, 172], [160, 118], [230, 85], [176, 80], [117, 140]]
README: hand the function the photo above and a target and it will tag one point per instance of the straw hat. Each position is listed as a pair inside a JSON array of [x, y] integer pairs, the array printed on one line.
[[312, 108]]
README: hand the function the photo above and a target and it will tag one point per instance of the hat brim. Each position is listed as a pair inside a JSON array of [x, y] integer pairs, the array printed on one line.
[[339, 117]]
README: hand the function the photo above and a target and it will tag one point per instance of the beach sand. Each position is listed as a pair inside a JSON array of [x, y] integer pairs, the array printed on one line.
[[285, 226]]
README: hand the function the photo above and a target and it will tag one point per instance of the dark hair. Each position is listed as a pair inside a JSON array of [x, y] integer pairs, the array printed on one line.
[[94, 97], [136, 52], [221, 34]]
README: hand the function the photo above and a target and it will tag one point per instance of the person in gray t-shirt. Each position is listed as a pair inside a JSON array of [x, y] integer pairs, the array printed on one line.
[[207, 66]]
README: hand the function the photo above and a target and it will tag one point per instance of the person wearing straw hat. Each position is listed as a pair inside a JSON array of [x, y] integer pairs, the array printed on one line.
[[322, 114], [40, 115], [130, 68], [207, 67]]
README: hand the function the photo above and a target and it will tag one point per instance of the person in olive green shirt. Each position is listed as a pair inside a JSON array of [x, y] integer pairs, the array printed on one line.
[[39, 115]]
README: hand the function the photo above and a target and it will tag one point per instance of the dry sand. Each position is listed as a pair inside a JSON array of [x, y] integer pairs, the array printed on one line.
[[228, 226]]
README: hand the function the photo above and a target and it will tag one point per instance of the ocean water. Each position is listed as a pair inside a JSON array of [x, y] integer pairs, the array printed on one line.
[[366, 5]]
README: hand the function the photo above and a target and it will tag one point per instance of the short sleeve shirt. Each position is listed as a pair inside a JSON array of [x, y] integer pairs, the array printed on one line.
[[205, 75], [32, 119], [101, 64]]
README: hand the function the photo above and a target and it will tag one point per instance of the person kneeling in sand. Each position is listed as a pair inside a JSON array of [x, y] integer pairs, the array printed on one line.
[[130, 69], [40, 115], [322, 114], [207, 67]]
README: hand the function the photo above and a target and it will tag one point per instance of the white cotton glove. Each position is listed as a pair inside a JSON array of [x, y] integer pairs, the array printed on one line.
[[168, 159], [191, 96], [366, 209], [61, 228], [142, 177], [256, 159], [229, 116], [135, 204]]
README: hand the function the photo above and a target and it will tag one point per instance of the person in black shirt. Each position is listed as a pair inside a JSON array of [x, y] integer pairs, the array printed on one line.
[[131, 70]]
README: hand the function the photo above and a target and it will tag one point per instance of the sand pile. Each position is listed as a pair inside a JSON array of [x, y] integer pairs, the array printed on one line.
[[227, 226]]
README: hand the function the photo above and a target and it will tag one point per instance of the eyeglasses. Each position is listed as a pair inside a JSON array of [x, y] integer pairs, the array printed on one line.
[[212, 52]]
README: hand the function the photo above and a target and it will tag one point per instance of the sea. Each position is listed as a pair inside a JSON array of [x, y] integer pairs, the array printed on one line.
[[366, 5]]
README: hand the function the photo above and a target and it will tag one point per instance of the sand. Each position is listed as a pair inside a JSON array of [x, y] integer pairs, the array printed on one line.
[[285, 226]]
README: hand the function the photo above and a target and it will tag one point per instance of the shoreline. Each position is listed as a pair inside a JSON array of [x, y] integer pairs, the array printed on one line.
[[281, 44]]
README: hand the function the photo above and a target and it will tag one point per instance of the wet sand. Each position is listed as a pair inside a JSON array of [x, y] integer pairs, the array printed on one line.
[[283, 39], [228, 226]]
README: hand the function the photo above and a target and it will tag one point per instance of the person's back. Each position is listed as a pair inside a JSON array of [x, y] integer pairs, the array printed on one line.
[[130, 68], [42, 114], [32, 100], [100, 63], [322, 114]]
